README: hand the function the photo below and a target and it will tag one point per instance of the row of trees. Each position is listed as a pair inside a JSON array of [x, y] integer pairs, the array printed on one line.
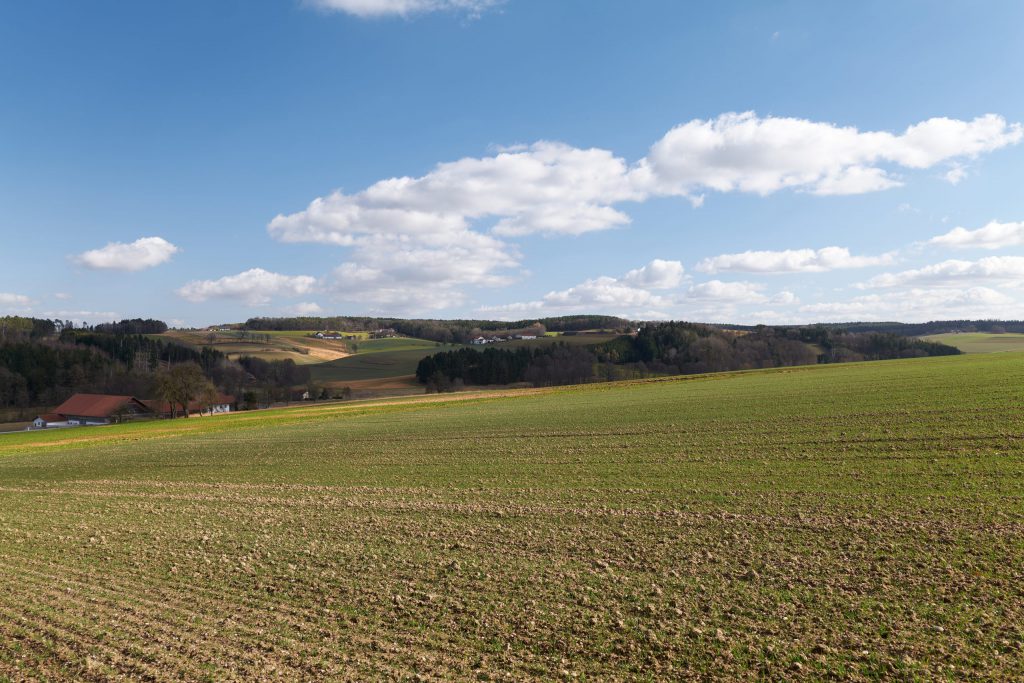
[[685, 348], [545, 366], [669, 348]]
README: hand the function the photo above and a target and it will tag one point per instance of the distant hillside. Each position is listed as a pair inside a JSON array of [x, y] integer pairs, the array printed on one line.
[[443, 331]]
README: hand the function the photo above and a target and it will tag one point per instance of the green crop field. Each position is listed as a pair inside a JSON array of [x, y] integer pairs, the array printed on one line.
[[377, 359], [980, 342], [861, 521]]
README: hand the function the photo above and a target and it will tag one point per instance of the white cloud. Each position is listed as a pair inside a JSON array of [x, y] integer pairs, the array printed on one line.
[[994, 235], [62, 296], [403, 8], [254, 286], [397, 275], [553, 188], [916, 305], [727, 292], [955, 174], [954, 272], [742, 152], [784, 298], [547, 187], [7, 299], [624, 296], [143, 253], [425, 240], [307, 308], [791, 261], [657, 274]]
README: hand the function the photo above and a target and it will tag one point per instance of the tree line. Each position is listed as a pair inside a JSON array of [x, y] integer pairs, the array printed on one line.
[[442, 331], [550, 365], [667, 349], [43, 362]]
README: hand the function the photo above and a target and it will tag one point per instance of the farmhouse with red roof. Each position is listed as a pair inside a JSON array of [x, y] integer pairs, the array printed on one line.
[[92, 409]]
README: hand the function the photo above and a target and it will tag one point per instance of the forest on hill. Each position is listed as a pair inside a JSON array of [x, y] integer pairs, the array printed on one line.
[[669, 349], [43, 362]]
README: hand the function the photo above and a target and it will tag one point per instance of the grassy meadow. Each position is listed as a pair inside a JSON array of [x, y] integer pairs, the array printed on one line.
[[861, 521], [377, 359], [980, 342]]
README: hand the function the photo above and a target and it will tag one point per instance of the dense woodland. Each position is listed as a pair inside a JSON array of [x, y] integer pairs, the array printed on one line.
[[43, 362], [549, 365], [669, 349]]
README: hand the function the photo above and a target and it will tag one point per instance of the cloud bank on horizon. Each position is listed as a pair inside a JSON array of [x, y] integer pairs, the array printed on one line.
[[418, 243]]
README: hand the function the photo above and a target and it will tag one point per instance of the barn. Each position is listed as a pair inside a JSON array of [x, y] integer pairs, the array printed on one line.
[[92, 409]]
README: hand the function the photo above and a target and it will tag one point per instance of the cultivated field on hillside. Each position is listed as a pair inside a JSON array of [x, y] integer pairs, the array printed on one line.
[[861, 521], [377, 359], [980, 342], [298, 346]]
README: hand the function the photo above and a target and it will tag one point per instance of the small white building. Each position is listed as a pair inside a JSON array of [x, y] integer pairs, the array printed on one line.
[[50, 421]]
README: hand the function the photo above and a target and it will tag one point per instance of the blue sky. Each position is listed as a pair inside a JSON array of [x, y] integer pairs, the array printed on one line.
[[205, 162]]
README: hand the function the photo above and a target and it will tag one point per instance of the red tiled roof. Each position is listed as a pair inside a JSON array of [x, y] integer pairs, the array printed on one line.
[[52, 417], [93, 405]]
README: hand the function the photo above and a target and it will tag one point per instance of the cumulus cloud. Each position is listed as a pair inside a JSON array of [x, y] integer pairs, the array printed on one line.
[[423, 240], [553, 188], [547, 187], [655, 291], [143, 253], [743, 152], [254, 286], [994, 235], [658, 274], [624, 295], [403, 8], [432, 272], [915, 305], [8, 299], [784, 298], [955, 174], [791, 261], [953, 272], [727, 292], [306, 308]]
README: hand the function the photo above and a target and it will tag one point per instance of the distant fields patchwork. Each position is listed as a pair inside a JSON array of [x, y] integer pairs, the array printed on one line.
[[861, 521], [377, 359], [980, 342], [296, 346]]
